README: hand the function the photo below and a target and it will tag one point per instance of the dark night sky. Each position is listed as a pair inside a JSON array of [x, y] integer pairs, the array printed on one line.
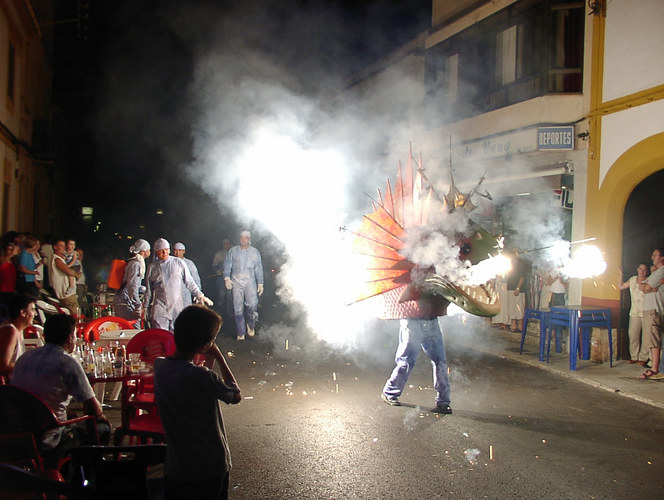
[[129, 124]]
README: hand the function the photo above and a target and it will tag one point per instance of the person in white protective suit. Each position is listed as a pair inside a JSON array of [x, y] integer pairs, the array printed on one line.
[[127, 302], [164, 279], [178, 251], [243, 275]]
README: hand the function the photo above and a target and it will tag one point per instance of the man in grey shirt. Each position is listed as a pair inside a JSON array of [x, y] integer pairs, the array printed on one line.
[[653, 307], [57, 378]]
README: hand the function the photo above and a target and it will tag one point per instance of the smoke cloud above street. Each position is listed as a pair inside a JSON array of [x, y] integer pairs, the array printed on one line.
[[293, 157], [260, 115]]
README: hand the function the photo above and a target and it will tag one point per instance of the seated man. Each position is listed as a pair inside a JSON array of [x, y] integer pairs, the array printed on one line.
[[55, 377]]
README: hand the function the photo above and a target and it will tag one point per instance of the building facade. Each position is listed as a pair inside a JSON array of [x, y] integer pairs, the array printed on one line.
[[559, 107], [508, 89], [626, 143], [569, 93], [27, 197]]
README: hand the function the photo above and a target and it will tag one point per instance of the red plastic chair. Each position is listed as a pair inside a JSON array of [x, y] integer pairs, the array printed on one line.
[[22, 412], [140, 418], [17, 483], [151, 344], [90, 331], [20, 450]]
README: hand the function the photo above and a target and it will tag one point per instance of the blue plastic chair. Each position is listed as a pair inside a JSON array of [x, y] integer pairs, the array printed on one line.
[[542, 315]]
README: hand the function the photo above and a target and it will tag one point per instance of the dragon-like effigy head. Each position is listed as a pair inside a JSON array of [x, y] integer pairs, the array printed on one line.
[[409, 217]]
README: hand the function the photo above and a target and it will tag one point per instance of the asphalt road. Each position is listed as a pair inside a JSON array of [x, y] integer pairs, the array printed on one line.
[[312, 426]]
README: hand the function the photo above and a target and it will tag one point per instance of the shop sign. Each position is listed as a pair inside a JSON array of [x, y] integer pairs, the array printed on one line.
[[555, 137]]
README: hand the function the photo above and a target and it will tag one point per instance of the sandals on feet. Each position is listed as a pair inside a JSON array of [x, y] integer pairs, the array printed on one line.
[[648, 374]]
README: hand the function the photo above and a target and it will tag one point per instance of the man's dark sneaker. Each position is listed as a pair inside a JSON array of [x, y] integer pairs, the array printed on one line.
[[390, 400], [443, 408]]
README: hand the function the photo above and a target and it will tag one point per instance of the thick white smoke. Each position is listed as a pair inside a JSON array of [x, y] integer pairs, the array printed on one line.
[[291, 158], [278, 141]]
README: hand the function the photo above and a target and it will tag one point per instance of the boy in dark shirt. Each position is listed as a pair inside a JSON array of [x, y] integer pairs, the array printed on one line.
[[189, 398]]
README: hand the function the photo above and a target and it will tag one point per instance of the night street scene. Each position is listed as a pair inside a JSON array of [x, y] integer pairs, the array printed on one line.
[[426, 229]]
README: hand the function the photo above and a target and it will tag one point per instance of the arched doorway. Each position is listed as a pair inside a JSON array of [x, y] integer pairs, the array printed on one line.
[[643, 221]]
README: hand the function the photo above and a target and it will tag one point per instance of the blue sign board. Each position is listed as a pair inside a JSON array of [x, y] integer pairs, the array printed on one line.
[[555, 137]]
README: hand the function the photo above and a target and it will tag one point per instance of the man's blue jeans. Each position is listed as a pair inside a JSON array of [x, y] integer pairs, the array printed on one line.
[[415, 334]]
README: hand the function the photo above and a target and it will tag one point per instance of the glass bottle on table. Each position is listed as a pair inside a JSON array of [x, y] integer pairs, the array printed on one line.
[[78, 353], [108, 362], [89, 362], [99, 361], [84, 356], [118, 361]]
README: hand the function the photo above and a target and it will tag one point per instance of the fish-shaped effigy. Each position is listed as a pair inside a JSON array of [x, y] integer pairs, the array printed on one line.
[[406, 217]]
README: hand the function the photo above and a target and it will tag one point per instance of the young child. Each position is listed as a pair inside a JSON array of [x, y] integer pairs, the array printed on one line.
[[71, 259], [198, 460]]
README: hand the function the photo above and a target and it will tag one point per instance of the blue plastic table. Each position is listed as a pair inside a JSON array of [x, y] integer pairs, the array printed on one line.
[[580, 320]]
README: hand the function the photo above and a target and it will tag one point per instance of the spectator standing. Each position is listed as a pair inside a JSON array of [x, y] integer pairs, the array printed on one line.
[[516, 296], [25, 263], [544, 283], [178, 251], [164, 279], [243, 274], [19, 240], [56, 377], [638, 352], [39, 266], [7, 272], [46, 252], [501, 319], [189, 397], [81, 285], [10, 236], [558, 288], [61, 274], [21, 313], [653, 306]]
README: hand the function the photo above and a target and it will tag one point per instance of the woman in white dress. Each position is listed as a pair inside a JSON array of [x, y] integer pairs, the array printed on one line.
[[637, 353]]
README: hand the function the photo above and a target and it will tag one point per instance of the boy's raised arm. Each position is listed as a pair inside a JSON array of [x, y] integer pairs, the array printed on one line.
[[226, 373]]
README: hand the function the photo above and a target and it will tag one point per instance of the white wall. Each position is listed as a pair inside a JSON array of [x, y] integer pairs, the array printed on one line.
[[621, 131], [634, 47]]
